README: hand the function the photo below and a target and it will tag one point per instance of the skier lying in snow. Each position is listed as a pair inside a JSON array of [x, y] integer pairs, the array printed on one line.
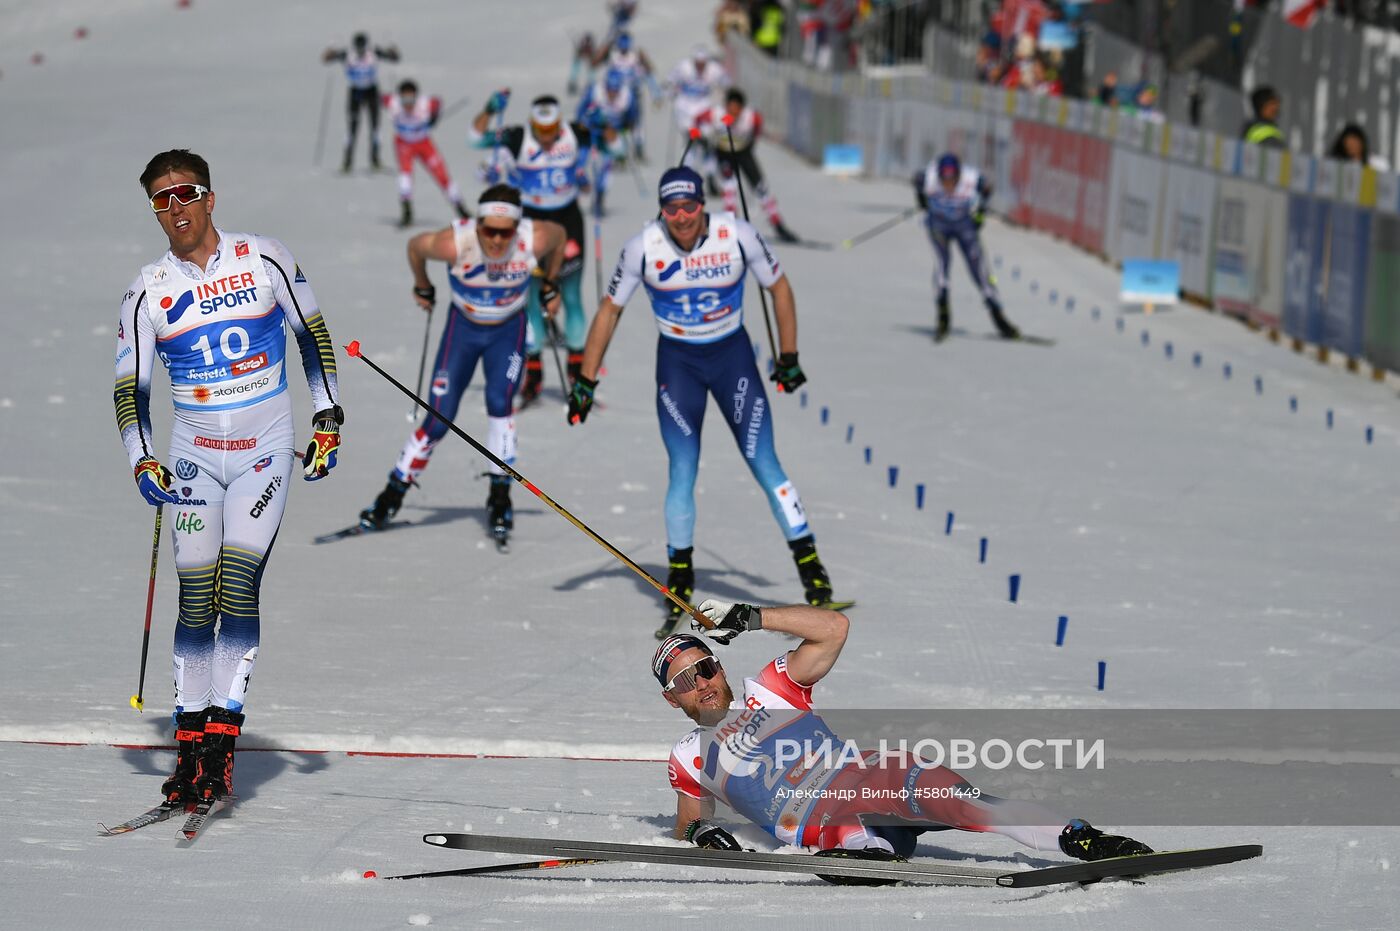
[[738, 754]]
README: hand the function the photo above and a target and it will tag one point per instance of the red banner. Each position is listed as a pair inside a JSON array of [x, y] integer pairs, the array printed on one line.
[[1061, 179]]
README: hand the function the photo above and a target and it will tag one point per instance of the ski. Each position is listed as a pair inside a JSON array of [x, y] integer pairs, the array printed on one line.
[[153, 816], [719, 859], [355, 530], [937, 874], [497, 868], [199, 816], [1141, 865]]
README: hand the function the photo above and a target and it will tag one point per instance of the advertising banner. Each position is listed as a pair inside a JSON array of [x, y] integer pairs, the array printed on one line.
[[1302, 250], [1247, 267], [1188, 215], [1058, 180], [1135, 205], [1342, 311], [1381, 341]]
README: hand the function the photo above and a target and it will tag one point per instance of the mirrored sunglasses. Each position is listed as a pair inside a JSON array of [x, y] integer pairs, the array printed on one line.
[[185, 193], [677, 207], [684, 681], [496, 232]]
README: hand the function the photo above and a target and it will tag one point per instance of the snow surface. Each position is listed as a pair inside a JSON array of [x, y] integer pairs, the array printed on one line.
[[1214, 548]]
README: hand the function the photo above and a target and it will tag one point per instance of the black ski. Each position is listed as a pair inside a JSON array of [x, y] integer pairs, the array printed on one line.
[[938, 874], [199, 816], [1140, 865], [153, 816], [355, 530]]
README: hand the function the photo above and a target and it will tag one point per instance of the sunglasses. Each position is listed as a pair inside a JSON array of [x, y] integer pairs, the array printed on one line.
[[684, 681], [184, 193], [677, 207], [496, 232]]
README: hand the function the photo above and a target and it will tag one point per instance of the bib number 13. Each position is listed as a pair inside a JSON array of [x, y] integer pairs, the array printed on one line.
[[233, 343], [705, 302]]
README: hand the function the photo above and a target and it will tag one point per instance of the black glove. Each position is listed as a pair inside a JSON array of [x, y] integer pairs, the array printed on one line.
[[428, 294], [581, 399], [549, 290], [868, 853], [705, 833], [787, 373], [731, 620]]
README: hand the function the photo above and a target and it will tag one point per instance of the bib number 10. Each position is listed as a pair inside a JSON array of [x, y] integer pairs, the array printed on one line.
[[233, 343]]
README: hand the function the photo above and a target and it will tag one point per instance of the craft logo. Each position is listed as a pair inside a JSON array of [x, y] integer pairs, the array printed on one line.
[[249, 365], [186, 469], [240, 249], [268, 494]]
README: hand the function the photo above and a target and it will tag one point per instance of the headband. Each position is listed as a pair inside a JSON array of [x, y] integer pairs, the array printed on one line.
[[545, 114], [498, 208]]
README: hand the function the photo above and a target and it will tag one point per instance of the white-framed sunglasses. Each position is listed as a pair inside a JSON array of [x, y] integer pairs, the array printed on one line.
[[684, 681], [185, 193]]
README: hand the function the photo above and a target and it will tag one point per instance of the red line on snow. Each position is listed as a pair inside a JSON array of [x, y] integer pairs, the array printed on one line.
[[382, 754]]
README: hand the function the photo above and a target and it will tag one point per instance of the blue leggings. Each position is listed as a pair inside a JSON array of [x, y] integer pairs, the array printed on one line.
[[685, 375], [942, 234], [463, 343]]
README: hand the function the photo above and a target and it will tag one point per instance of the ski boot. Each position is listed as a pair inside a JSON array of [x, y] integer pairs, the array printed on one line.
[[534, 380], [498, 510], [189, 733], [940, 332], [214, 776], [405, 214], [680, 579], [1005, 327], [816, 585], [386, 505], [1083, 841], [783, 233], [575, 365]]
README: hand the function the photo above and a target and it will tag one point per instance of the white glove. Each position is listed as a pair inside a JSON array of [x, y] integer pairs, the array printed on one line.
[[730, 619]]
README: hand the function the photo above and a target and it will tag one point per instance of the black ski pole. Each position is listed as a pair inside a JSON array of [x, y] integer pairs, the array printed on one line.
[[138, 700], [498, 868], [422, 362], [743, 202], [879, 228], [353, 350], [552, 333]]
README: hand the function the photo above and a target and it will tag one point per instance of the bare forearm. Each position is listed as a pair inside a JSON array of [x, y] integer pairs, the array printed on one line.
[[785, 311], [599, 335], [818, 625]]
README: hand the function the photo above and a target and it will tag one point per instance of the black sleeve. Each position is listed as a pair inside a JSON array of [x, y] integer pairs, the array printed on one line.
[[584, 135], [388, 54], [336, 54], [919, 190], [513, 138]]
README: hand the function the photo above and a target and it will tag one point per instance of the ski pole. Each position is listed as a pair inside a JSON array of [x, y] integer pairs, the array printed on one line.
[[138, 701], [553, 332], [694, 134], [743, 202], [453, 108], [879, 228], [422, 362], [353, 350], [498, 868], [632, 165], [325, 117]]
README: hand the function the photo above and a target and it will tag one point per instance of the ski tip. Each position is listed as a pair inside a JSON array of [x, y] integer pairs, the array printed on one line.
[[352, 349], [437, 840], [371, 874]]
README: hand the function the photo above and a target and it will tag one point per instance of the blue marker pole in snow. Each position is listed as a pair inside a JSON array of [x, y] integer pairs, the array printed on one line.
[[1167, 348], [1069, 303], [1196, 359], [867, 455], [802, 399], [1103, 669], [948, 527], [1370, 434], [1258, 384], [1060, 631], [894, 475], [1329, 418], [826, 415], [919, 496], [982, 550], [1015, 581], [1146, 338], [1119, 324], [1227, 370], [1054, 296], [850, 431], [1293, 404], [1094, 313]]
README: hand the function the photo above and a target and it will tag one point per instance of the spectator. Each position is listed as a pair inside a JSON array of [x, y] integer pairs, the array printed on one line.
[[1144, 103], [988, 61], [1044, 80], [1351, 145], [1108, 89], [730, 17], [767, 19], [1263, 129]]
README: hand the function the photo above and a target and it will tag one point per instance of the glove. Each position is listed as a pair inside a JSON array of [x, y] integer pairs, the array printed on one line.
[[320, 452], [155, 482], [787, 373], [549, 291], [489, 174], [581, 399], [497, 101], [703, 832], [730, 619], [426, 296]]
